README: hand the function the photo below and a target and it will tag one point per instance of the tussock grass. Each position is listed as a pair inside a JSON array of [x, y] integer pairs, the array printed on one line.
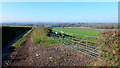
[[40, 35]]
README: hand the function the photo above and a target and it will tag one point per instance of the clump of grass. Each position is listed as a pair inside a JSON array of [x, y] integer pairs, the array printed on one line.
[[40, 35]]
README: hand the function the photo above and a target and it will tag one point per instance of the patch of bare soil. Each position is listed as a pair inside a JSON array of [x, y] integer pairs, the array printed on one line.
[[30, 54]]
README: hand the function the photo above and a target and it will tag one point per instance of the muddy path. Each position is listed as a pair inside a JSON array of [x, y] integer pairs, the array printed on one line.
[[31, 54]]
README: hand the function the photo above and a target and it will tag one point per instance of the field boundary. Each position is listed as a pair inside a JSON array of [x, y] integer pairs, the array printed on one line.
[[81, 45]]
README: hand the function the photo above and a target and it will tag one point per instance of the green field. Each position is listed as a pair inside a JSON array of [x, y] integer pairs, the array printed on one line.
[[83, 31]]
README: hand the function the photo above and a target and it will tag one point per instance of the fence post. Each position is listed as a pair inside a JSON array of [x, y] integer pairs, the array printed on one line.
[[86, 39], [62, 35]]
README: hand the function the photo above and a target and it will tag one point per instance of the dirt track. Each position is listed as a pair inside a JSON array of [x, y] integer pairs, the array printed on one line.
[[30, 54]]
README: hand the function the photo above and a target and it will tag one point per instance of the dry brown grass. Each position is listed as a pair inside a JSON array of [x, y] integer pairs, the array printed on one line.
[[109, 48]]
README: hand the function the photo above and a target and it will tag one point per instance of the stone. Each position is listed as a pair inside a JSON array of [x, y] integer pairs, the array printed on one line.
[[51, 58], [37, 55]]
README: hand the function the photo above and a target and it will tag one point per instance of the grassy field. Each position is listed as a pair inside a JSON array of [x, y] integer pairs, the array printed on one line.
[[14, 26], [84, 31]]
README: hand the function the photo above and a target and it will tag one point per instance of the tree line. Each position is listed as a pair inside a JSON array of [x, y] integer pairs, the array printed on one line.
[[92, 25]]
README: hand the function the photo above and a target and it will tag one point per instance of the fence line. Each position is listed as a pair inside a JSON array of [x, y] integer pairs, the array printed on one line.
[[80, 45]]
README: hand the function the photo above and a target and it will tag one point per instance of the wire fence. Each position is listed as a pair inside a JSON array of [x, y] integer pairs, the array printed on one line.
[[82, 45]]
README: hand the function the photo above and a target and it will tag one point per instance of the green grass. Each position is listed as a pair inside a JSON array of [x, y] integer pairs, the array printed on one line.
[[38, 39], [84, 31], [40, 36], [13, 26]]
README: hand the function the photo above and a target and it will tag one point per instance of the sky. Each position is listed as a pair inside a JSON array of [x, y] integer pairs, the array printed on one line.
[[60, 0], [98, 12]]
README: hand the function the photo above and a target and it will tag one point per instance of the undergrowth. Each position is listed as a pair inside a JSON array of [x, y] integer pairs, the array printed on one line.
[[110, 48], [40, 35]]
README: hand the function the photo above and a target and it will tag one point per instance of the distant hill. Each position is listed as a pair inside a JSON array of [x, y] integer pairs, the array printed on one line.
[[18, 24], [63, 24], [27, 24], [92, 25]]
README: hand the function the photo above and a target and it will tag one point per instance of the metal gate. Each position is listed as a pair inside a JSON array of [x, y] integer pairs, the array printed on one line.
[[80, 44]]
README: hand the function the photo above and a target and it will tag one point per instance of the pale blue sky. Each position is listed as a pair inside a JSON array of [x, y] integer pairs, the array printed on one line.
[[60, 0], [60, 11]]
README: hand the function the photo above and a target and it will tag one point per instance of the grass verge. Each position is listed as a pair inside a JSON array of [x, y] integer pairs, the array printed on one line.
[[40, 35]]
